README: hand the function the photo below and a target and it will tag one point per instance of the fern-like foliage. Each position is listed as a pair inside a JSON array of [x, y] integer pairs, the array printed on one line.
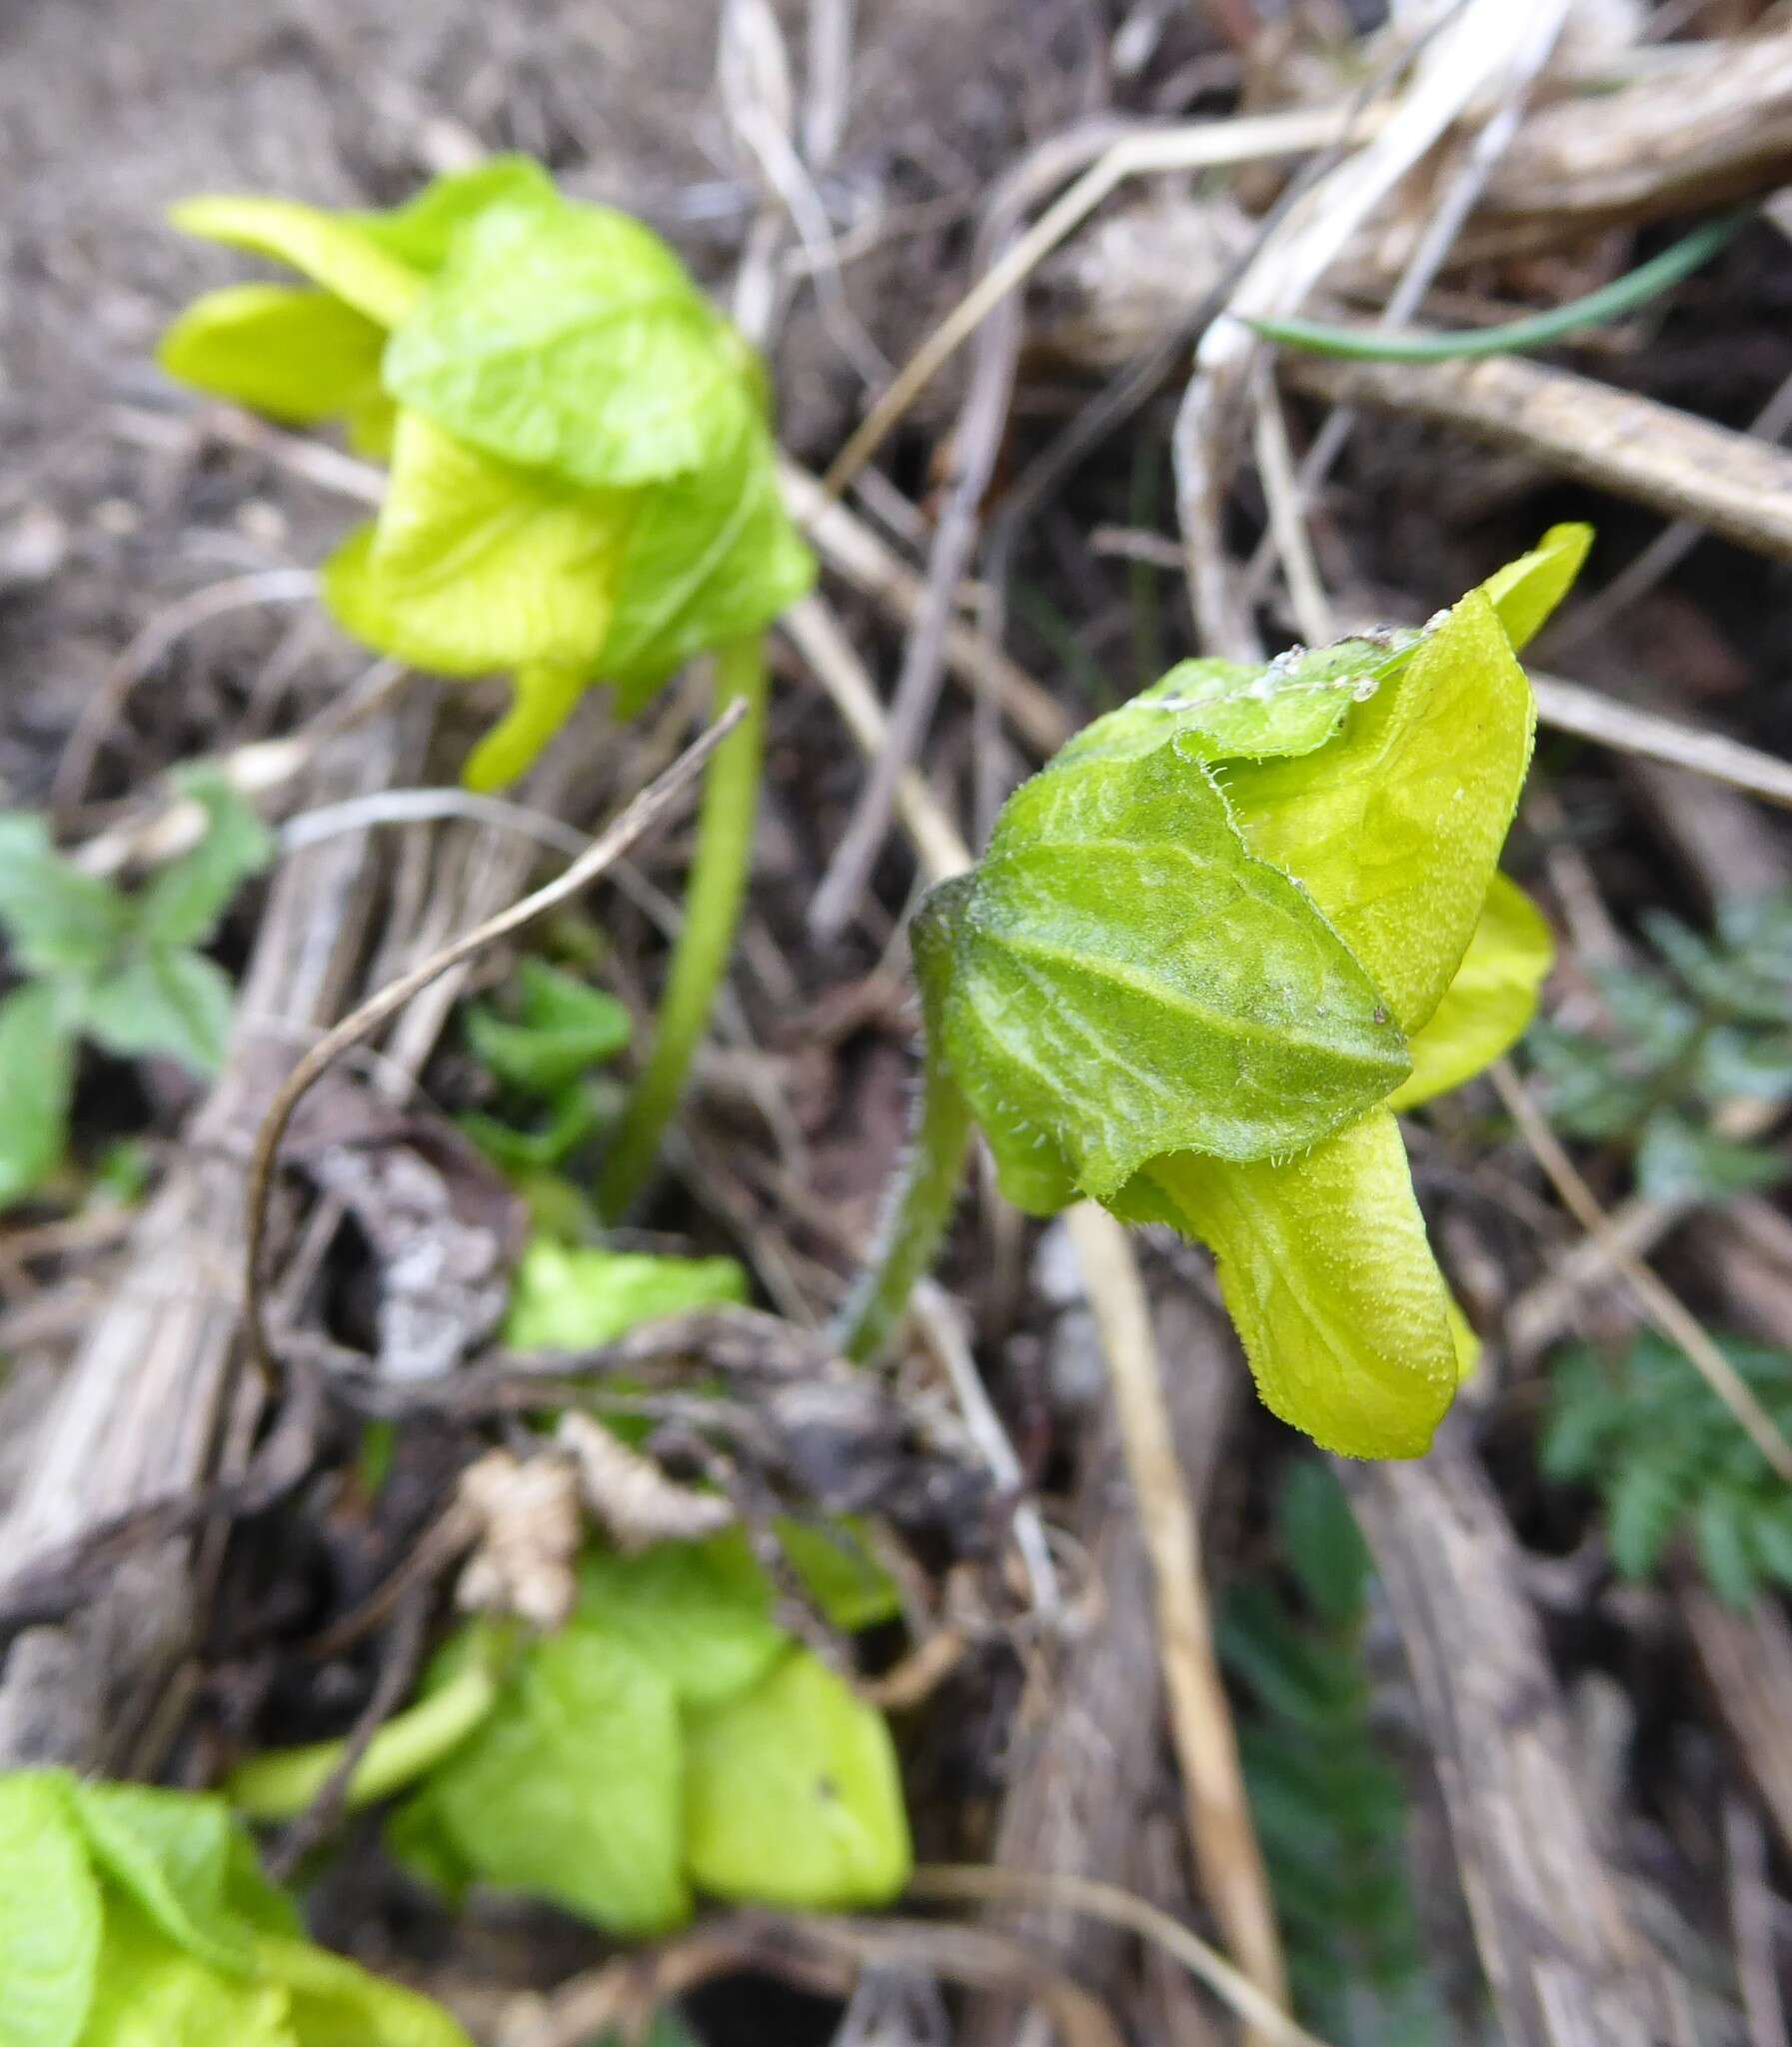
[[1708, 1019], [1668, 1459], [1330, 1809]]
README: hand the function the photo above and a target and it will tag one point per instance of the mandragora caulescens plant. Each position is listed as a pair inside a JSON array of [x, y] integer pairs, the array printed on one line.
[[583, 486], [1214, 949]]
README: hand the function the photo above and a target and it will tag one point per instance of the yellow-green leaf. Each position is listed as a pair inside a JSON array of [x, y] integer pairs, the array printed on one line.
[[573, 1790], [794, 1796], [1395, 828], [474, 566], [151, 1993], [1526, 590], [709, 556], [571, 338], [330, 249], [295, 355], [48, 1915], [1490, 1005], [335, 2003], [1124, 978], [1326, 1268]]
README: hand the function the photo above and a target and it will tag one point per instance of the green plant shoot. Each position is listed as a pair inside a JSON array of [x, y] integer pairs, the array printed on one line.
[[583, 487], [1213, 947]]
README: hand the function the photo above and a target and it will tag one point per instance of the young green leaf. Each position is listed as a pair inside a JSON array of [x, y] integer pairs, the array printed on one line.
[[699, 1614], [37, 1056], [184, 901], [422, 233], [172, 1854], [574, 1789], [1395, 829], [330, 249], [567, 1299], [564, 1029], [165, 999], [1130, 979], [1326, 1268], [794, 1796], [1526, 590], [48, 1915], [1666, 1458], [58, 920], [570, 339], [1679, 1161], [473, 564], [709, 556], [332, 2003], [1490, 1005], [149, 1990], [298, 355]]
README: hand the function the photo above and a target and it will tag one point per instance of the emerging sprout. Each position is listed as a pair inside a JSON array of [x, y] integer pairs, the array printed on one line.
[[1212, 948], [582, 484]]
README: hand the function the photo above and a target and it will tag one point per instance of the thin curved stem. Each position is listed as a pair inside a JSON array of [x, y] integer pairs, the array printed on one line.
[[285, 1781], [915, 1222], [543, 698], [713, 895], [1634, 288]]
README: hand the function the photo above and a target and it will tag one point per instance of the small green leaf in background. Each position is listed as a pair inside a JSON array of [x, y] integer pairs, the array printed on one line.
[[795, 1795], [1679, 1161], [1321, 1543], [1490, 1005], [562, 1029], [167, 1000], [37, 1058], [58, 922], [567, 1299], [184, 902], [698, 1613], [573, 1790], [1667, 1459], [1331, 1810]]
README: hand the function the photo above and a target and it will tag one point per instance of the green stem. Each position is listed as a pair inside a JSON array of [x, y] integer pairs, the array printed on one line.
[[712, 892], [542, 700], [285, 1781], [915, 1224], [1378, 345]]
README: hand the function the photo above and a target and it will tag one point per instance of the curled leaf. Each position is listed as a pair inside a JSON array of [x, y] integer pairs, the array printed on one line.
[[571, 338], [1526, 590], [1129, 979], [1326, 1268], [298, 355], [1394, 829], [330, 249], [1490, 1005], [473, 564]]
